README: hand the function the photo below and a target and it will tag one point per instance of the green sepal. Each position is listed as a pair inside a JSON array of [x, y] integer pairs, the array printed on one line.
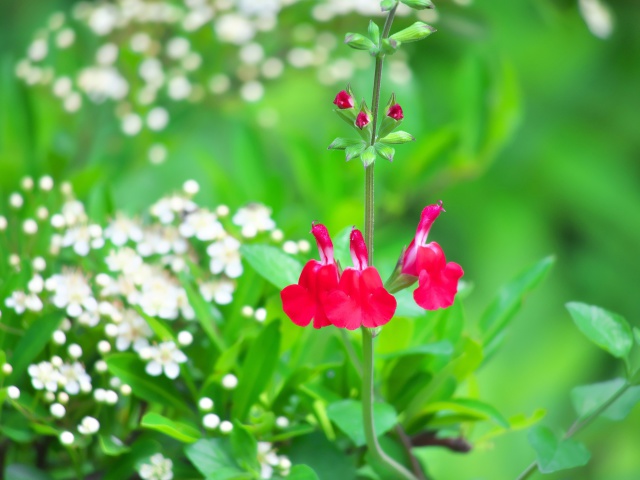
[[390, 46], [368, 156], [354, 151], [358, 42], [413, 33], [386, 5], [398, 137], [418, 4], [341, 143], [374, 32], [385, 151], [347, 114], [387, 126]]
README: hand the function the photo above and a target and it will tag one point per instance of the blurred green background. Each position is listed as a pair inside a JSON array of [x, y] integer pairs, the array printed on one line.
[[527, 128]]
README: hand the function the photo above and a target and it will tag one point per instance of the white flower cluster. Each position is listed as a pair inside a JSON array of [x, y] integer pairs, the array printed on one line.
[[162, 37], [271, 462], [158, 468], [49, 376]]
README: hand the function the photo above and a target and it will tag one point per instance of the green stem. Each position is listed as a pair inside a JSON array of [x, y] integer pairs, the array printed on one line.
[[367, 410], [579, 425]]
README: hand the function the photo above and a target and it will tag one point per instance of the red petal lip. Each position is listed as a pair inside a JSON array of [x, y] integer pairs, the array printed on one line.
[[343, 100], [325, 245], [395, 112], [359, 253]]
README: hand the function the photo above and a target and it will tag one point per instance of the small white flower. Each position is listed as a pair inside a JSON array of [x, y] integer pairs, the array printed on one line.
[[125, 389], [205, 404], [89, 426], [185, 338], [230, 381], [165, 357], [254, 218], [3, 223], [290, 247], [36, 284], [277, 235], [247, 311], [111, 397], [66, 438], [100, 395], [158, 468], [191, 187], [45, 183], [59, 337], [202, 224], [75, 350], [282, 422], [225, 257], [21, 301], [219, 291], [63, 398], [44, 376], [211, 421], [7, 369], [29, 226], [226, 426], [13, 392], [27, 183], [74, 378], [261, 314], [16, 200], [101, 366], [122, 229], [57, 410]]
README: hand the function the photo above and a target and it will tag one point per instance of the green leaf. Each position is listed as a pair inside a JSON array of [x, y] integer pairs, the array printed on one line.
[[112, 446], [124, 467], [257, 370], [341, 143], [374, 32], [205, 313], [131, 370], [212, 455], [347, 415], [354, 151], [272, 264], [385, 151], [302, 472], [501, 311], [443, 348], [244, 447], [468, 407], [358, 41], [162, 331], [180, 431], [398, 137], [607, 330], [413, 33], [32, 343], [587, 399], [368, 156], [554, 454]]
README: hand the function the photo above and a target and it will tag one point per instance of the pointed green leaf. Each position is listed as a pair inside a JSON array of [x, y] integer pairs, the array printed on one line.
[[607, 330], [32, 343], [468, 407], [398, 137], [374, 32], [354, 151], [341, 143], [272, 264], [385, 151], [180, 431], [368, 156], [358, 41], [244, 447], [257, 370], [413, 33], [131, 370], [386, 5], [554, 454], [501, 311], [112, 445], [212, 455]]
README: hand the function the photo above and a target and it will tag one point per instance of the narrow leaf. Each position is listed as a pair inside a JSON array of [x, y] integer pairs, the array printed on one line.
[[385, 151], [398, 137], [180, 431], [354, 151], [341, 143]]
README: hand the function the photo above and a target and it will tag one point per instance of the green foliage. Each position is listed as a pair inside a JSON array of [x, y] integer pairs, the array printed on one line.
[[347, 416], [607, 330], [556, 454]]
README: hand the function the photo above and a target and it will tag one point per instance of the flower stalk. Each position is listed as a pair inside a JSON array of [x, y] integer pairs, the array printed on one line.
[[367, 334]]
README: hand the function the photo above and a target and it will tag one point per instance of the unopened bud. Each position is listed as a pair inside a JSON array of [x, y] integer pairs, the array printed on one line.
[[418, 4], [358, 42], [395, 112], [344, 100], [362, 120], [413, 33]]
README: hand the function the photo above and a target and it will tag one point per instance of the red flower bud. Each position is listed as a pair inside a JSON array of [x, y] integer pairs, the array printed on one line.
[[395, 112], [344, 100], [362, 120]]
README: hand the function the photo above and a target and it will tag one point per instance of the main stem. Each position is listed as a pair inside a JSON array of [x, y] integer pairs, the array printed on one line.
[[367, 335], [579, 425]]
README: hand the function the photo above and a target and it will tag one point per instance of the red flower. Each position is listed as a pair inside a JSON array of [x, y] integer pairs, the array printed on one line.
[[437, 279], [395, 112], [303, 301], [344, 100], [361, 299], [362, 120]]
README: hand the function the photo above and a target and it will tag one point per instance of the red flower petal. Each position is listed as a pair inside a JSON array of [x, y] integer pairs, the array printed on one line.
[[298, 304], [344, 100], [438, 280]]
